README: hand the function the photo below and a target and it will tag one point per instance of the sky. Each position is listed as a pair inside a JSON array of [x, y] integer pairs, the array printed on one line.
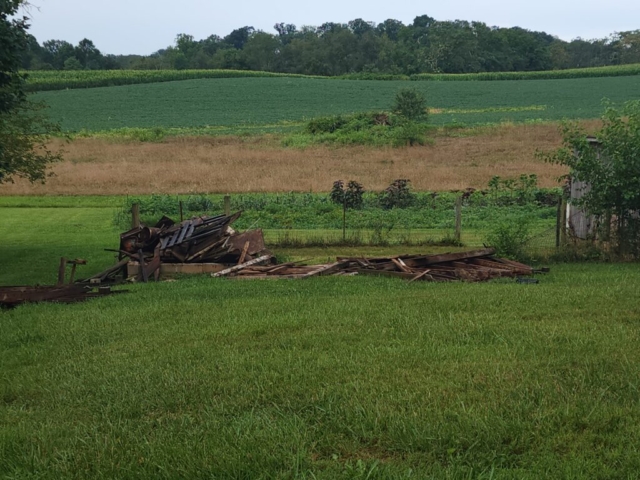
[[144, 26]]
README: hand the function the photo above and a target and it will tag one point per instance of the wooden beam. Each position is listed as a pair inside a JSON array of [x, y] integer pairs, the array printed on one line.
[[452, 257], [244, 252], [237, 268], [324, 269]]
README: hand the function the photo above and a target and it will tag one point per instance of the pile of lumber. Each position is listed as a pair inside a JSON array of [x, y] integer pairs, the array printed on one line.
[[470, 266], [199, 240]]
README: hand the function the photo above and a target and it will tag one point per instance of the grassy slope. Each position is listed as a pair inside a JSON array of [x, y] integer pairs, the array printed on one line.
[[266, 101]]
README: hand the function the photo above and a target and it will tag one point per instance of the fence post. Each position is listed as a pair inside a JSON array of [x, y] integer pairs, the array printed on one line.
[[61, 270], [559, 222], [181, 213], [227, 205], [458, 232], [135, 215], [562, 224], [344, 219]]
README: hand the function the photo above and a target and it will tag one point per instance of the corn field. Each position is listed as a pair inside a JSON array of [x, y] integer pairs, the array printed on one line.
[[59, 80]]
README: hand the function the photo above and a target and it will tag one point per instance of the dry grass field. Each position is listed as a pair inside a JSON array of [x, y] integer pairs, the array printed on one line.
[[101, 166]]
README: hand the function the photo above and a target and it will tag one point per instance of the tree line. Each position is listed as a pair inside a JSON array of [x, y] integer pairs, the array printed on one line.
[[391, 47]]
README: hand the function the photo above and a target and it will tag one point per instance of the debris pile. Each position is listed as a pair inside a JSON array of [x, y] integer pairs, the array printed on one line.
[[200, 240], [208, 244], [470, 266]]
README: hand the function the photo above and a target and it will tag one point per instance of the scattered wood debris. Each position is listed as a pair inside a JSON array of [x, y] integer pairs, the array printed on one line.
[[470, 266], [13, 296]]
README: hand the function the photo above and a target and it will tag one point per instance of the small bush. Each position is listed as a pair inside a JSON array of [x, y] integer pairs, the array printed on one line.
[[409, 134], [351, 197], [398, 195], [510, 236], [410, 104]]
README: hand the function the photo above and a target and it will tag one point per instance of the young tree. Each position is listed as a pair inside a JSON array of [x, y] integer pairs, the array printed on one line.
[[611, 169], [410, 104], [23, 129]]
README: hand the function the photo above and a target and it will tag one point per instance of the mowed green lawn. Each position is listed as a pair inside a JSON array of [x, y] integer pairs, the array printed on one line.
[[268, 101], [325, 378]]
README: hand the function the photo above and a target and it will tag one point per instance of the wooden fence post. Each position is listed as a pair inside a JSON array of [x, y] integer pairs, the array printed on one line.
[[61, 270], [563, 222], [227, 205], [181, 213], [458, 232], [344, 219], [559, 222], [135, 215]]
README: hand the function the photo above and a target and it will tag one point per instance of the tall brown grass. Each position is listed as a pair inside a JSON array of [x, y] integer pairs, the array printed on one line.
[[214, 165]]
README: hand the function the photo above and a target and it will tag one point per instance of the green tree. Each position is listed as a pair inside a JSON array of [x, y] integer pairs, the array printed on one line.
[[611, 169], [410, 104], [24, 130], [72, 63]]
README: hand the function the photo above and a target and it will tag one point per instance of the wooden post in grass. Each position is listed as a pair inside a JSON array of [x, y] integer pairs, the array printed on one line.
[[344, 219], [181, 213], [227, 205], [135, 215], [61, 270], [559, 222], [563, 222], [458, 232]]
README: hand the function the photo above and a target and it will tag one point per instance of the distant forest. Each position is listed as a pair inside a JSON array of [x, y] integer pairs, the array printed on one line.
[[390, 47]]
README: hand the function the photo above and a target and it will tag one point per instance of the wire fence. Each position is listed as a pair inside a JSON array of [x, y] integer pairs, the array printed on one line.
[[527, 229]]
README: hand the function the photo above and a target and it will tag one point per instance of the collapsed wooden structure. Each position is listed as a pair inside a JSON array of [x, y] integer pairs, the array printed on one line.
[[208, 244], [470, 266]]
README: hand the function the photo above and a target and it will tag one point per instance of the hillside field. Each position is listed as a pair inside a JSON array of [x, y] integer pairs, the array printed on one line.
[[272, 103], [205, 164]]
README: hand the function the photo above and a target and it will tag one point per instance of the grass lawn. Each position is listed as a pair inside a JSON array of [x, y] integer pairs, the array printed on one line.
[[328, 378], [354, 377]]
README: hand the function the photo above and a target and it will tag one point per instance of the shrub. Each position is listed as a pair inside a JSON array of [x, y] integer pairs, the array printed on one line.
[[410, 104], [398, 195], [351, 197], [409, 134], [510, 236]]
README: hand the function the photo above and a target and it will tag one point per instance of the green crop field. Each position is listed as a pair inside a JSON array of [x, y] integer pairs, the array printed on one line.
[[60, 80], [272, 102], [347, 378]]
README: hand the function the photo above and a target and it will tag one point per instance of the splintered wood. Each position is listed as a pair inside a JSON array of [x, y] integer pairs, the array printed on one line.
[[470, 266]]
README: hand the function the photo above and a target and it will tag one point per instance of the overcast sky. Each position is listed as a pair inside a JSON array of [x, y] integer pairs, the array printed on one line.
[[144, 26]]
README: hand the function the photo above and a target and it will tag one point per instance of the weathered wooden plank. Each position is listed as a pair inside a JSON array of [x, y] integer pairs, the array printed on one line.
[[325, 269], [452, 257], [244, 252], [237, 268]]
